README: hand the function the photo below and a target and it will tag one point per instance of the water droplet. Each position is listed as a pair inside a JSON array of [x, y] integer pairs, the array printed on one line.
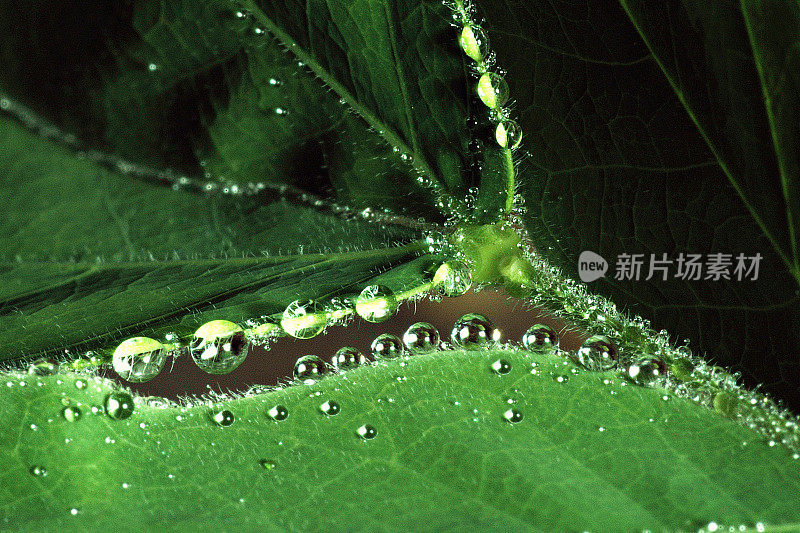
[[303, 319], [347, 358], [492, 90], [71, 413], [508, 134], [501, 366], [329, 408], [512, 416], [139, 359], [74, 512], [152, 67], [376, 303], [725, 404], [43, 367], [38, 471], [473, 331], [309, 368], [267, 464], [560, 378], [453, 278], [647, 370], [540, 337], [367, 432], [387, 346], [119, 405], [598, 353], [421, 338], [278, 413], [223, 418], [474, 42], [219, 347], [80, 384]]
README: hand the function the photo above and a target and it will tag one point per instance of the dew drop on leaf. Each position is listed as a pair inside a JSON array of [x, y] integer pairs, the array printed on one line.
[[119, 405], [598, 353], [512, 416], [309, 368], [376, 303], [387, 346], [539, 338], [267, 464], [492, 90], [473, 331], [421, 338], [347, 358], [43, 367], [80, 384], [139, 359], [223, 418], [647, 370], [278, 413], [71, 413], [219, 347], [508, 134], [329, 408], [501, 366], [38, 471], [303, 319], [367, 432], [453, 278], [474, 42]]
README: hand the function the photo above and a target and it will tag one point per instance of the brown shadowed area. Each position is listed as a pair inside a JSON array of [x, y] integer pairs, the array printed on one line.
[[270, 367]]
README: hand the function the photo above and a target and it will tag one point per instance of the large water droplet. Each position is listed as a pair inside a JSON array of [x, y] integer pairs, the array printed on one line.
[[329, 408], [387, 346], [223, 418], [508, 134], [309, 368], [492, 90], [347, 358], [219, 347], [139, 359], [512, 416], [119, 405], [453, 278], [303, 319], [278, 413], [474, 42], [421, 338], [367, 432], [540, 337], [501, 366], [647, 370], [38, 471], [43, 367], [376, 303], [473, 331], [71, 413], [598, 353]]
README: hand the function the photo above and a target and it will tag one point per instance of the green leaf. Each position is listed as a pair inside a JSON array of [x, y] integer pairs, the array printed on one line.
[[667, 128], [590, 453]]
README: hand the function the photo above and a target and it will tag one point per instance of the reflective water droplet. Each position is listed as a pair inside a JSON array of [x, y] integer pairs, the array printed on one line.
[[303, 319], [267, 464], [453, 278], [376, 303], [219, 347], [347, 358], [501, 366], [38, 471], [647, 370], [309, 368], [278, 413], [139, 359], [43, 367], [329, 408], [540, 337], [508, 134], [512, 416], [560, 378], [367, 432], [80, 384], [421, 338], [726, 404], [71, 413], [119, 405], [387, 346], [473, 331], [474, 42], [598, 353], [492, 90], [223, 418]]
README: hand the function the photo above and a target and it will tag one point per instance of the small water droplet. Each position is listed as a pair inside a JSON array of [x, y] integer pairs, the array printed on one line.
[[43, 367], [421, 338], [376, 303], [560, 378], [278, 413], [219, 347], [540, 337], [387, 346], [223, 418], [329, 408], [512, 416], [303, 319], [71, 413], [367, 432], [119, 405], [501, 366], [309, 368], [80, 384], [598, 353], [347, 358], [267, 464], [139, 359], [473, 331], [38, 471], [74, 512], [647, 370]]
